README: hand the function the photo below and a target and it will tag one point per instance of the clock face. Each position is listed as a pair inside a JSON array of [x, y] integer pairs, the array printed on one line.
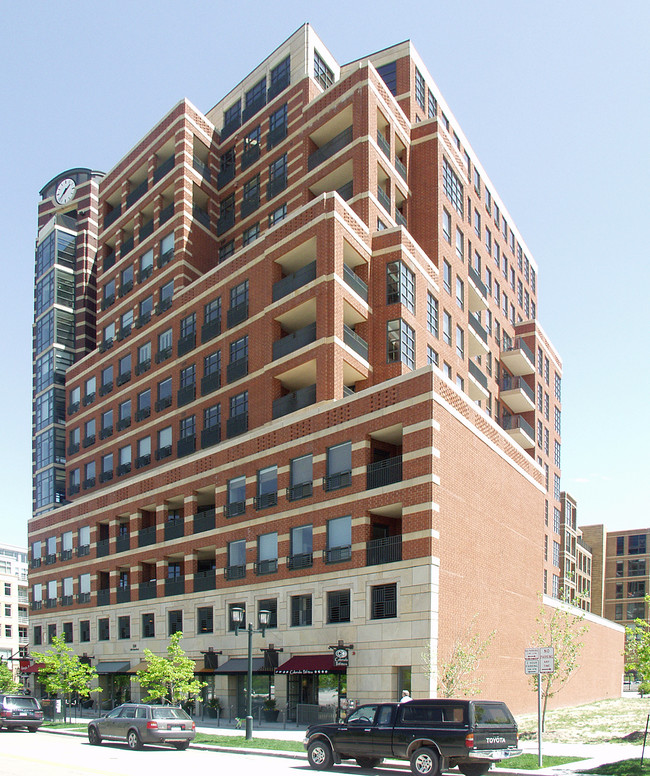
[[65, 191]]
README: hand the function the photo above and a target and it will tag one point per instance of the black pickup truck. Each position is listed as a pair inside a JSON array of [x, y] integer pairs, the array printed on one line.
[[432, 734]]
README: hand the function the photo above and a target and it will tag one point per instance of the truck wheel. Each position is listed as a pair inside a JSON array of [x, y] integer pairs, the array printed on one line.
[[474, 769], [320, 756], [425, 762], [369, 762]]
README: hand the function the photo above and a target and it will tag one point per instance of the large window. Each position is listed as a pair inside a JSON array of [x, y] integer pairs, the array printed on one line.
[[419, 88], [236, 494], [175, 621], [453, 187], [383, 601], [301, 477], [300, 610], [204, 619], [400, 285], [338, 606], [339, 539], [267, 487], [267, 553], [301, 546], [322, 73], [339, 466], [636, 544], [400, 342]]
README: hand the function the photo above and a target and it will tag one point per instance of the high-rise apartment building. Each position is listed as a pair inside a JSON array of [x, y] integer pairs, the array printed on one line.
[[308, 379], [14, 603]]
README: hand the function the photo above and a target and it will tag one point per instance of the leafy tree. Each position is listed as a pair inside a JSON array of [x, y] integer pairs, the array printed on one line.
[[7, 681], [170, 677], [561, 627], [63, 673], [637, 651], [458, 675]]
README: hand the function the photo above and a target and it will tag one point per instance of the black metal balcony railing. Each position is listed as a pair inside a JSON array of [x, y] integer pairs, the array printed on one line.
[[89, 398], [112, 216], [185, 344], [400, 218], [210, 383], [275, 186], [34, 563], [66, 600], [294, 401], [250, 156], [165, 214], [126, 247], [354, 341], [236, 425], [204, 520], [163, 168], [337, 480], [142, 413], [163, 305], [210, 436], [174, 529], [509, 383], [337, 554], [50, 558], [234, 508], [73, 449], [400, 167], [139, 191], [384, 199], [230, 127], [83, 549], [147, 590], [355, 282], [103, 597], [205, 580], [302, 560], [50, 603], [145, 231], [278, 85], [235, 572], [385, 472], [201, 167], [478, 375], [266, 500], [301, 490], [164, 354], [294, 281], [276, 136], [186, 445], [385, 550], [210, 330], [83, 598], [346, 191], [225, 175], [123, 423], [123, 594], [109, 261], [237, 314], [147, 536], [105, 433], [237, 369], [123, 543], [383, 143], [518, 344], [201, 215], [36, 605], [476, 279], [163, 452], [175, 586], [269, 566], [186, 394], [106, 388], [163, 403], [477, 328], [108, 301], [292, 342], [330, 148], [102, 548], [124, 377], [510, 422]]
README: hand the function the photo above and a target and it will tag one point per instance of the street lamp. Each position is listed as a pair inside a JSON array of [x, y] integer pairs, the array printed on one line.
[[264, 617]]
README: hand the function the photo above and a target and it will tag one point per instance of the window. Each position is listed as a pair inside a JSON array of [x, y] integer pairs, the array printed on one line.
[[124, 627], [446, 225], [226, 251], [278, 214], [174, 621], [558, 387], [556, 520], [164, 449], [103, 629], [400, 343], [635, 568], [556, 453], [38, 635], [446, 327], [636, 611], [269, 605], [419, 88], [339, 466], [148, 627], [339, 539], [267, 487], [301, 543], [446, 276], [236, 495], [166, 294], [124, 369], [251, 234], [432, 314], [277, 176], [400, 285], [460, 342], [432, 356], [277, 126], [300, 610], [84, 631], [636, 544], [432, 106], [453, 187], [636, 589], [322, 73], [388, 73], [477, 223], [236, 559], [267, 553], [460, 244], [164, 393], [301, 477], [383, 601], [460, 293], [204, 619]]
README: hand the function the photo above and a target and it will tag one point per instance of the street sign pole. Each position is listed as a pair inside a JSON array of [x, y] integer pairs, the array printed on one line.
[[539, 718]]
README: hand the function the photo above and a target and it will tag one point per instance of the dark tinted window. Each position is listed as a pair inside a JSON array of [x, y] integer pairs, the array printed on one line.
[[413, 714], [492, 714]]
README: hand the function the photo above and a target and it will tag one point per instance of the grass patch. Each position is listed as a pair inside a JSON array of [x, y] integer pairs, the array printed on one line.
[[623, 768], [67, 725], [530, 762], [255, 743]]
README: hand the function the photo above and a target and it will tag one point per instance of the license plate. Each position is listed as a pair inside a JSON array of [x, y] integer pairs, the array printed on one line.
[[176, 727]]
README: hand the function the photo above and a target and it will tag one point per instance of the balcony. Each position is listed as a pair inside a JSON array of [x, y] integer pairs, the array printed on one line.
[[266, 500], [174, 529], [276, 136], [354, 341], [204, 521], [185, 344], [50, 603], [278, 86], [147, 590], [517, 394], [384, 199], [136, 193], [201, 215], [303, 560], [210, 330], [112, 216], [123, 543], [205, 580], [337, 554], [237, 314], [102, 548], [477, 291], [201, 167], [294, 401], [383, 143], [210, 436], [269, 566], [295, 341], [337, 480], [478, 384], [385, 550], [355, 282], [301, 490], [400, 218], [210, 383], [126, 247], [225, 175], [520, 430], [381, 473], [163, 452], [237, 369], [249, 156], [123, 594], [234, 509], [163, 168], [83, 598], [147, 536], [346, 191], [235, 572], [82, 550], [478, 338], [237, 425], [175, 586], [225, 222], [109, 261], [186, 445], [275, 186], [185, 395], [294, 281], [103, 597], [166, 213], [400, 167], [230, 127], [517, 356], [330, 148], [145, 231]]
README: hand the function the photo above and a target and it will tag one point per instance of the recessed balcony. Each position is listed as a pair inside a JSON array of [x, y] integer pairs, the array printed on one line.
[[477, 291], [517, 357], [520, 430], [294, 341], [478, 338], [517, 394], [294, 281], [477, 384]]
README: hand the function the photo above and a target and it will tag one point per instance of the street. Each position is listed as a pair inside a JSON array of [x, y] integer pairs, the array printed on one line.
[[47, 754]]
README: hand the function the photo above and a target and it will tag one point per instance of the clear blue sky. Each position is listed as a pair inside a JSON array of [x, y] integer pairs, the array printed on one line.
[[554, 97]]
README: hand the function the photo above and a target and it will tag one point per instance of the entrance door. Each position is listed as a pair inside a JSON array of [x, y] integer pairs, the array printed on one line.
[[301, 689]]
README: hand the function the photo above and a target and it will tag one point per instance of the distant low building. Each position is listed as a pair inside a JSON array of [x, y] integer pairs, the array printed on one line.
[[13, 603]]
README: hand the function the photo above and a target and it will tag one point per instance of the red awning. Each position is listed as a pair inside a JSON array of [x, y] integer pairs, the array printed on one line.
[[33, 669], [310, 664]]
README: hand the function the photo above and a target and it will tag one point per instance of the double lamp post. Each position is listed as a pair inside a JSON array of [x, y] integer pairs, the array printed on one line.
[[264, 617]]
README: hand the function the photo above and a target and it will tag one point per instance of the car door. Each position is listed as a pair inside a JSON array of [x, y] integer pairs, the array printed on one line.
[[354, 738], [109, 725], [382, 730]]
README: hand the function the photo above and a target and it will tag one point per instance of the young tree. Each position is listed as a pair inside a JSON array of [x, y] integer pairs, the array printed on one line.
[[458, 675], [63, 673], [7, 681], [170, 677], [562, 627], [637, 651]]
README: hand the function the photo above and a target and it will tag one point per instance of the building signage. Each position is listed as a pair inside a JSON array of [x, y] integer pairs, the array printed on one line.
[[341, 657]]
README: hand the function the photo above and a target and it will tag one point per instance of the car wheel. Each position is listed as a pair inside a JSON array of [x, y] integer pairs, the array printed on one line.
[[474, 769], [425, 762], [133, 739], [320, 756], [32, 729], [94, 739], [181, 744], [368, 762]]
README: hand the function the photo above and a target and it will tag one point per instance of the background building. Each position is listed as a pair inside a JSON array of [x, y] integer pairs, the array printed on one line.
[[14, 604], [313, 382]]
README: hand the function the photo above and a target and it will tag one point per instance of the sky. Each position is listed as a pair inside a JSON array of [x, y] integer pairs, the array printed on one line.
[[553, 96]]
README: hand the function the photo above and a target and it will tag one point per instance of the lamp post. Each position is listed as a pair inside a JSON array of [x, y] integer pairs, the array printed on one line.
[[264, 617]]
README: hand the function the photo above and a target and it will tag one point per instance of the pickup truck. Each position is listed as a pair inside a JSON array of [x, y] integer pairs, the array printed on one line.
[[432, 734]]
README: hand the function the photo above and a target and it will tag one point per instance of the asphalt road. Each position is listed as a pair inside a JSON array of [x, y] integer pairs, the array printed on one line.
[[46, 754]]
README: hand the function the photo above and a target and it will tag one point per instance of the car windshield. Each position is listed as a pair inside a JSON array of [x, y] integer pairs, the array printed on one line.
[[166, 712], [21, 703]]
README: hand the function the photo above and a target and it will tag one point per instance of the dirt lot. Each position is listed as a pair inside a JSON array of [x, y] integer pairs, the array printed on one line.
[[616, 720]]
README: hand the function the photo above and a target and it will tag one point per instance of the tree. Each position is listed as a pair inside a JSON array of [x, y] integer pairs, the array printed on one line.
[[637, 651], [170, 677], [560, 626], [63, 673], [458, 675], [7, 681]]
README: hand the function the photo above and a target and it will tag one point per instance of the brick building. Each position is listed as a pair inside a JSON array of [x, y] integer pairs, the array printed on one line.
[[307, 378]]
